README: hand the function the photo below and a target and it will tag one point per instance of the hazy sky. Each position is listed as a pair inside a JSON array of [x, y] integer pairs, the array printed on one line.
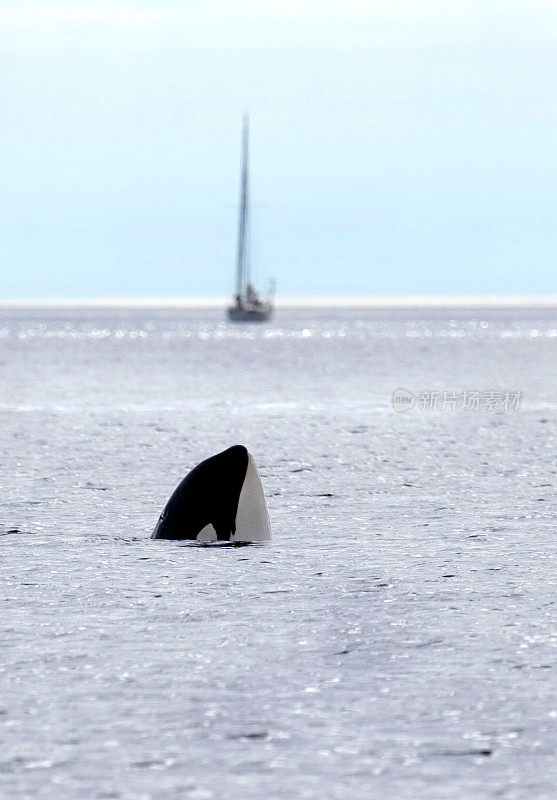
[[398, 147]]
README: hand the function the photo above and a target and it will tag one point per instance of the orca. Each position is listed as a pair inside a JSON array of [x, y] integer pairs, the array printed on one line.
[[221, 499]]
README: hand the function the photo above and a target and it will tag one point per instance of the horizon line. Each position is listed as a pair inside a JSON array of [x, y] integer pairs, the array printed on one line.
[[325, 301]]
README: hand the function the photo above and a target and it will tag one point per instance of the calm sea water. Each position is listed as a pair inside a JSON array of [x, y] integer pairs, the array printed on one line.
[[393, 641]]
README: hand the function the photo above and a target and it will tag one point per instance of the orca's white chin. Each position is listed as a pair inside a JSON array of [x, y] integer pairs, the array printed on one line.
[[252, 518]]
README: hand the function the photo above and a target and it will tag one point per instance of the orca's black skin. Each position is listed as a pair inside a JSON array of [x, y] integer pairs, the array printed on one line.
[[208, 494]]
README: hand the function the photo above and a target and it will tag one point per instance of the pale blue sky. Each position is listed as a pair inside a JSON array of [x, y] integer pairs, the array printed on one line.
[[397, 147]]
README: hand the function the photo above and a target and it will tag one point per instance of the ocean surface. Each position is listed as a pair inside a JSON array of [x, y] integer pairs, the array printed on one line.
[[393, 641]]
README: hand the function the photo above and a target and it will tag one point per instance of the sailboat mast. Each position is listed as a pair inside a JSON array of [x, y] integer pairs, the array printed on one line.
[[248, 305], [243, 222]]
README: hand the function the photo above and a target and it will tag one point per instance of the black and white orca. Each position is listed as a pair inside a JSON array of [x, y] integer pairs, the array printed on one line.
[[221, 499]]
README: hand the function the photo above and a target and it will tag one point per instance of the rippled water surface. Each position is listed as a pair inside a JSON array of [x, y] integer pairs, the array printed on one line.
[[393, 642]]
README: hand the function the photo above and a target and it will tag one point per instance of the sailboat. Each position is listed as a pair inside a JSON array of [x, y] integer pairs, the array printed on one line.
[[248, 305]]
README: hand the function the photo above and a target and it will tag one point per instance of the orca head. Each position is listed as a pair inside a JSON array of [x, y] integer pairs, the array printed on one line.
[[220, 499]]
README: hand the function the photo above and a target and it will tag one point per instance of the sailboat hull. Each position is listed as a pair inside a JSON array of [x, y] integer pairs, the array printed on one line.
[[260, 313]]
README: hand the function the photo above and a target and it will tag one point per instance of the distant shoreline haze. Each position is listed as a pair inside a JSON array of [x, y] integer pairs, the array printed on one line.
[[332, 301]]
